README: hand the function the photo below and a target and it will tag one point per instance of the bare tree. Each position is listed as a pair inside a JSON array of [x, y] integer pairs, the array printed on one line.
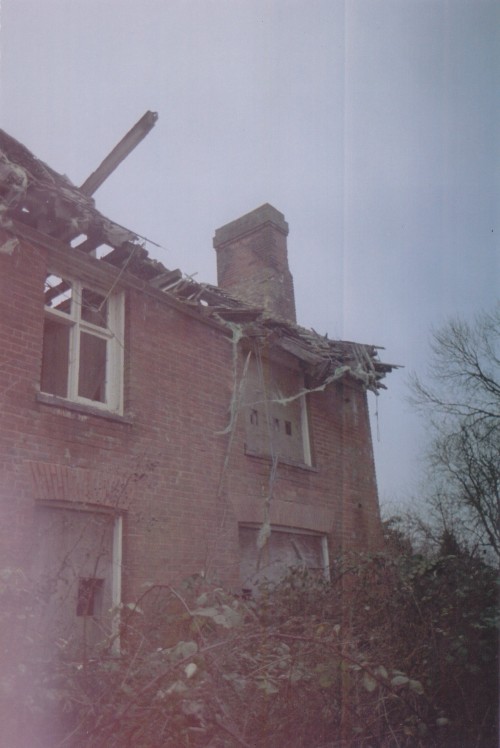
[[461, 401]]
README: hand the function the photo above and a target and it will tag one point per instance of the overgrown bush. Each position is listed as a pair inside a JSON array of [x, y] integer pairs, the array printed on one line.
[[396, 650]]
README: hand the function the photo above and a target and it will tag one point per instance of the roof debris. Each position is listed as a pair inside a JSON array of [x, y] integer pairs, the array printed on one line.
[[33, 194]]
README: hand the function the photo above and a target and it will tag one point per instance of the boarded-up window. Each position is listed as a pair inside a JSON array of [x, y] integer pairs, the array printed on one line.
[[284, 550], [77, 557], [275, 412]]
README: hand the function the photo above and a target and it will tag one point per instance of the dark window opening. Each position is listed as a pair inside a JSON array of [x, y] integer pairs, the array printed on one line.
[[276, 422], [254, 417], [92, 372], [89, 601], [55, 357], [288, 428]]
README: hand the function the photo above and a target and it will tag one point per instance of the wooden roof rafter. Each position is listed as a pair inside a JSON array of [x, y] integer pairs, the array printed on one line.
[[32, 194]]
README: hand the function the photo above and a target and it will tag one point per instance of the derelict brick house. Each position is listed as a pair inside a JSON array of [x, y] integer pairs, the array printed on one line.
[[150, 425]]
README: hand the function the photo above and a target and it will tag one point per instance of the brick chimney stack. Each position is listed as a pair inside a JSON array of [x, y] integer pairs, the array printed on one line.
[[252, 261]]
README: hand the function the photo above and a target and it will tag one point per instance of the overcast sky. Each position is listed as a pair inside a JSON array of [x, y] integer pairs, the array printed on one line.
[[371, 124]]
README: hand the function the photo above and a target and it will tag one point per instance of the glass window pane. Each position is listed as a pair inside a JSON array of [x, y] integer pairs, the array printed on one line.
[[94, 308], [58, 294], [92, 369], [55, 357]]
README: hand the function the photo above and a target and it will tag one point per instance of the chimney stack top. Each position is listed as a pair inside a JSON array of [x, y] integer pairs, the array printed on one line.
[[249, 222], [252, 261]]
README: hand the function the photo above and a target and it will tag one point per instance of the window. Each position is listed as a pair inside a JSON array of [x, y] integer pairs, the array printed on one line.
[[82, 344], [284, 550], [275, 412], [77, 560]]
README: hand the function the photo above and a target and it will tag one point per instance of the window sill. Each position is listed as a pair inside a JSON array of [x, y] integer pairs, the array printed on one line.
[[281, 461], [55, 401]]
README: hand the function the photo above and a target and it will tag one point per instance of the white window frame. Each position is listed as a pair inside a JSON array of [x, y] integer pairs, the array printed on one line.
[[112, 334], [117, 582], [306, 441]]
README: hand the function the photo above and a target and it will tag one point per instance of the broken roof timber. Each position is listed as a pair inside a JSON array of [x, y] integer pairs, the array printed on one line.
[[119, 153], [36, 195], [36, 201], [300, 351]]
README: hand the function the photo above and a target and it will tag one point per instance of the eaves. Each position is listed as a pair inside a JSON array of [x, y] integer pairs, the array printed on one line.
[[92, 270]]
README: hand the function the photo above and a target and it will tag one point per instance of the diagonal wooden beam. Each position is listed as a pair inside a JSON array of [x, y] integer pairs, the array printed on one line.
[[119, 153]]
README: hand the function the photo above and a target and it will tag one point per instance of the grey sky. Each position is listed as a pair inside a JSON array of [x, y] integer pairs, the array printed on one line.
[[372, 124]]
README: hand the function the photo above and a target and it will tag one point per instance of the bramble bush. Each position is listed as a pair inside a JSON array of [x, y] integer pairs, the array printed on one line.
[[395, 650]]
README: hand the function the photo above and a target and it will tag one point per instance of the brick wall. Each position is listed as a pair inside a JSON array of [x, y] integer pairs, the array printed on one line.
[[181, 484]]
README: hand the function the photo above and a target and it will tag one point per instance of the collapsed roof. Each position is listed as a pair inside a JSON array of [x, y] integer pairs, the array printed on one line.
[[33, 194]]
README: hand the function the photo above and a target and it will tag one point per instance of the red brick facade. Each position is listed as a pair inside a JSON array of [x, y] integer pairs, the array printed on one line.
[[198, 482], [174, 464]]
